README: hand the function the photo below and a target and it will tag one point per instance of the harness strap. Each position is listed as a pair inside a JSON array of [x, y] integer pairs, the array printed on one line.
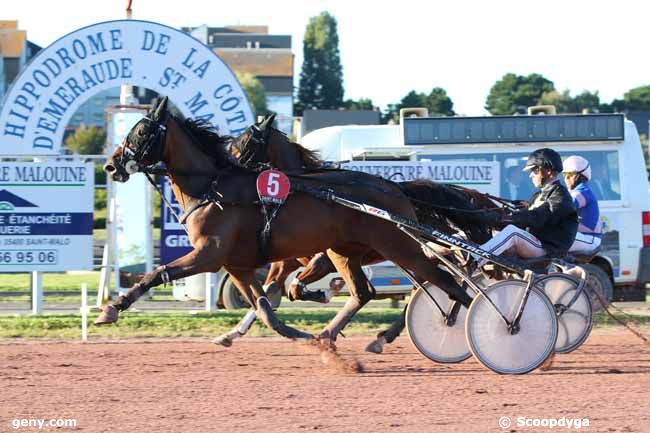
[[195, 206]]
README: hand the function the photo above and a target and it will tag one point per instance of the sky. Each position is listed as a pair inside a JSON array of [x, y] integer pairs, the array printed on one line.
[[389, 48]]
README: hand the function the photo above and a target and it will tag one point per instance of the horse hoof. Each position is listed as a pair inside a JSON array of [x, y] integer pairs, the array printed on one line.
[[326, 342], [109, 314], [376, 346], [223, 340]]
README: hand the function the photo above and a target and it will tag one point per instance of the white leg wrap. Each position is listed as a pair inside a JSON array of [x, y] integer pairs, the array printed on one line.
[[246, 323]]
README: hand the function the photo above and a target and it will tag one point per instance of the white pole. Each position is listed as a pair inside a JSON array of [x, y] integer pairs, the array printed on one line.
[[112, 212], [148, 227], [210, 291], [84, 312], [37, 292], [103, 291]]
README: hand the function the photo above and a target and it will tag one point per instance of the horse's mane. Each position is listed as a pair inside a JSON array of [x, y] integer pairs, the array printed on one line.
[[209, 141], [311, 158], [437, 203]]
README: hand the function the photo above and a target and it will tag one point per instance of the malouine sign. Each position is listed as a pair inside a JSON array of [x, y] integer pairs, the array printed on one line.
[[46, 216], [64, 75]]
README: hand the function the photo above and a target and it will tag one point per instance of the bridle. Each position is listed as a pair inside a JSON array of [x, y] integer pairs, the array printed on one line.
[[149, 150], [253, 150]]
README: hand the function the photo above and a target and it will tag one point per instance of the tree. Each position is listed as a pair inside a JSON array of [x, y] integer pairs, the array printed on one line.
[[87, 141], [321, 77], [514, 93], [637, 99], [587, 101], [254, 92], [412, 99], [361, 104], [436, 102], [565, 103]]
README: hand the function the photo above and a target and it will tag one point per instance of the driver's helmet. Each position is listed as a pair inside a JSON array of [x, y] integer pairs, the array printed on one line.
[[577, 164], [547, 158]]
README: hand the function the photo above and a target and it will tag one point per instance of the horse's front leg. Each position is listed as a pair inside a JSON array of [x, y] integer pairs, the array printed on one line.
[[252, 290], [196, 261], [361, 292], [272, 285]]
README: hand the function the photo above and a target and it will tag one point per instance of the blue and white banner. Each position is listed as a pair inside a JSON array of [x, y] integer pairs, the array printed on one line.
[[46, 216], [174, 242]]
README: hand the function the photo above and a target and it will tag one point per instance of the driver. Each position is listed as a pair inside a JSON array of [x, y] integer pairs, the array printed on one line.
[[548, 225], [577, 174]]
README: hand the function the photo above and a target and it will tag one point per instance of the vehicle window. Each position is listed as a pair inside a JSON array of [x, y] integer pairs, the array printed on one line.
[[605, 180], [516, 184]]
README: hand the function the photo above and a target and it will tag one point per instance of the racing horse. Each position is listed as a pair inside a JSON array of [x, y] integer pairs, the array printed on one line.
[[223, 215], [263, 145]]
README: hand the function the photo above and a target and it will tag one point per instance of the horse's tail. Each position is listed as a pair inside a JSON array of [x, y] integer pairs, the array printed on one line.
[[441, 205]]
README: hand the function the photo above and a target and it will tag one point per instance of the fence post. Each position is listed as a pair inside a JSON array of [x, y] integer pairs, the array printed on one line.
[[84, 312], [36, 284], [210, 291]]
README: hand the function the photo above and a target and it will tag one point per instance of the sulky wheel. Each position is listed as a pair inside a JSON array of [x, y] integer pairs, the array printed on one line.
[[428, 330], [490, 339], [574, 321]]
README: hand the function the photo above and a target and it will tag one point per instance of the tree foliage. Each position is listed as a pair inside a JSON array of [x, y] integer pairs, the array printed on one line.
[[321, 77], [361, 104], [87, 141], [437, 102], [637, 99], [515, 93], [254, 92], [565, 103]]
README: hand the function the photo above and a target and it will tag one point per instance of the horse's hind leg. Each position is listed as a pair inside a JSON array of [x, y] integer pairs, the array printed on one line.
[[273, 284], [251, 289], [401, 249], [276, 275], [360, 292], [389, 335], [318, 267], [195, 262]]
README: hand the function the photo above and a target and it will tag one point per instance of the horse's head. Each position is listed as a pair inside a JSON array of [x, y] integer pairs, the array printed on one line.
[[261, 143], [142, 147], [251, 147]]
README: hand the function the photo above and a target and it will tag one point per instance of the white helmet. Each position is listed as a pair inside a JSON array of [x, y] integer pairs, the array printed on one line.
[[577, 164]]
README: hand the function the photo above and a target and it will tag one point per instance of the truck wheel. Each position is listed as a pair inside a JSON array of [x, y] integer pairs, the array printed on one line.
[[598, 280], [233, 300]]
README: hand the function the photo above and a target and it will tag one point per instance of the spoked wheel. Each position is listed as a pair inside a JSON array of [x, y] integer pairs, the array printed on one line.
[[575, 321], [491, 341], [428, 330]]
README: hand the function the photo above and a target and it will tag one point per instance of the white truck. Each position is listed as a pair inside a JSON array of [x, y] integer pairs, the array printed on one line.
[[487, 153]]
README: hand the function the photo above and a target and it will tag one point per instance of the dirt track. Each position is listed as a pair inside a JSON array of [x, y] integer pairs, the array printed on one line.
[[273, 385]]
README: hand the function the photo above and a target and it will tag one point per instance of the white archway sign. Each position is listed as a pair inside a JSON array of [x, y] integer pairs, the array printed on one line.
[[67, 73]]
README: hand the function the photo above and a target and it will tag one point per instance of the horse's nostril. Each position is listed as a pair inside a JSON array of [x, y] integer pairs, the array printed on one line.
[[109, 168]]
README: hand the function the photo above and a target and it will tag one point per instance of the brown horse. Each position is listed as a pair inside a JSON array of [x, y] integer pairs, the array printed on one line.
[[261, 144], [225, 219]]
